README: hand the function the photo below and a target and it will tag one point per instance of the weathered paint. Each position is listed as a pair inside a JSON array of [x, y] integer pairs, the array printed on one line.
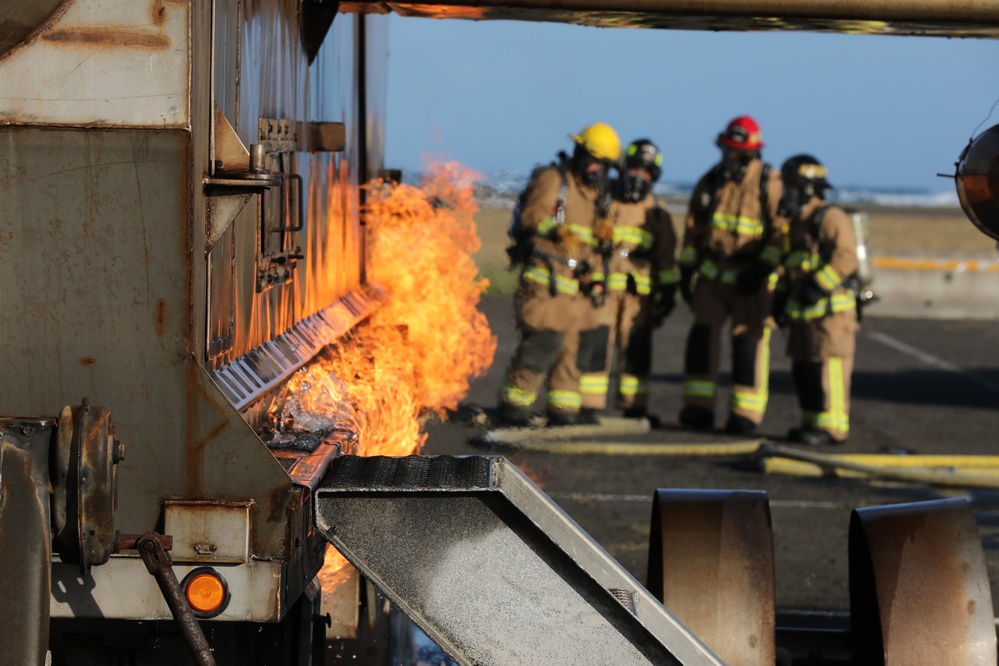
[[943, 18], [711, 563], [919, 587], [91, 66]]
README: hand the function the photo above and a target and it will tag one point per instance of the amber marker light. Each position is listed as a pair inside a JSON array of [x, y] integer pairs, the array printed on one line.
[[206, 591]]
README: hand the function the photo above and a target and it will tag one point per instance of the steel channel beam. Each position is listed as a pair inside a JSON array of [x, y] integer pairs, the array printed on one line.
[[490, 568]]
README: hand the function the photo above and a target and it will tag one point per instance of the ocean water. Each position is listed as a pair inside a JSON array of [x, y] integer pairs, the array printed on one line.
[[501, 188]]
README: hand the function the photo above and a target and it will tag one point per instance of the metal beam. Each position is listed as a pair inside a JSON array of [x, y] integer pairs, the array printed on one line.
[[490, 568], [945, 18]]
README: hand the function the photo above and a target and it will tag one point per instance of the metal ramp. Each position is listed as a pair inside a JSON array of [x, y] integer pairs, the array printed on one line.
[[490, 568]]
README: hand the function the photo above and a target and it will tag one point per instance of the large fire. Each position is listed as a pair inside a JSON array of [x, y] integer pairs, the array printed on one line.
[[417, 353]]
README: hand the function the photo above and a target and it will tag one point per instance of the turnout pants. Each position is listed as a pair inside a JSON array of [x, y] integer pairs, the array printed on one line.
[[584, 356], [822, 354], [714, 303], [629, 321], [549, 328]]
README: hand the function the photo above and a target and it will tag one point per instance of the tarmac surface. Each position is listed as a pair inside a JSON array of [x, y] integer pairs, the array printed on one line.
[[920, 386]]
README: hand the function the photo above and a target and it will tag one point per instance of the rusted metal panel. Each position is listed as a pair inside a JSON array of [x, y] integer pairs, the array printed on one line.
[[711, 563], [208, 531], [322, 137], [19, 19], [84, 493], [342, 601], [123, 589], [111, 63], [25, 542], [919, 586], [948, 18]]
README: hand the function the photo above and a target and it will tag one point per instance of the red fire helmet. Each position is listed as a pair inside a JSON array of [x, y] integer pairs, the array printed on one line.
[[742, 133]]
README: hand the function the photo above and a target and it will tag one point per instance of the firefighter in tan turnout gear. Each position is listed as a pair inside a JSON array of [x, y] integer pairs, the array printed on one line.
[[820, 302], [553, 229], [641, 283], [731, 246]]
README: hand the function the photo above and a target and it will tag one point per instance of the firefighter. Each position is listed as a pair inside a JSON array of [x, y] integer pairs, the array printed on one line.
[[821, 302], [731, 246], [641, 284], [559, 277]]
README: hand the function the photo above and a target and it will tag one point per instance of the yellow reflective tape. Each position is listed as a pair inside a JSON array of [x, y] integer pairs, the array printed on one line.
[[539, 275], [688, 256], [594, 384], [738, 224], [617, 282], [700, 389], [708, 269], [771, 255], [546, 226], [842, 302], [634, 236], [516, 396], [827, 278], [669, 276], [643, 284], [632, 386], [565, 400]]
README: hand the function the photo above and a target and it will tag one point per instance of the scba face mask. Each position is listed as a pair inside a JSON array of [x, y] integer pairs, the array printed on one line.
[[634, 188], [793, 200]]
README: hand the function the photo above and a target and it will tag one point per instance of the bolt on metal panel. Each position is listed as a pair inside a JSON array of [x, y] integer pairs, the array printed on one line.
[[490, 568]]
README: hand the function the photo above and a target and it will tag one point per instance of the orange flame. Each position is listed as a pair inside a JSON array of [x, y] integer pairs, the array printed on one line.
[[418, 352]]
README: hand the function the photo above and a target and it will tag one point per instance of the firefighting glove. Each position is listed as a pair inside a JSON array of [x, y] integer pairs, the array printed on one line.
[[809, 293], [750, 279], [687, 284], [663, 302]]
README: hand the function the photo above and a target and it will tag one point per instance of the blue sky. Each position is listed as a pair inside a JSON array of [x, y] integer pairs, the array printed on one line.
[[879, 111]]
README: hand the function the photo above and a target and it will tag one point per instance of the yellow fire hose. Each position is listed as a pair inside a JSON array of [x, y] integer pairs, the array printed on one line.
[[642, 448], [936, 470]]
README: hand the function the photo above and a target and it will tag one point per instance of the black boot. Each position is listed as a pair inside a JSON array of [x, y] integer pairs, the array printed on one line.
[[739, 425], [513, 416], [560, 417], [812, 436], [588, 416], [697, 418], [642, 413]]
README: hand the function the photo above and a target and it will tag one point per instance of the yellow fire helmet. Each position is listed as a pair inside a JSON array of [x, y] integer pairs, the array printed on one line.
[[600, 140]]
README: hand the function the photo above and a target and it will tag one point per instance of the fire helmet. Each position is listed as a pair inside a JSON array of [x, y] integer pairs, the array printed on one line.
[[742, 133], [804, 177], [643, 154], [599, 140], [805, 173]]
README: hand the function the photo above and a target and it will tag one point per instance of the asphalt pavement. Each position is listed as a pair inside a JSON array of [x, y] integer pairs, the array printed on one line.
[[920, 386]]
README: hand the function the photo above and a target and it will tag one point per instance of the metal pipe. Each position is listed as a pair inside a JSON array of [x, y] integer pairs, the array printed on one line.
[[159, 564]]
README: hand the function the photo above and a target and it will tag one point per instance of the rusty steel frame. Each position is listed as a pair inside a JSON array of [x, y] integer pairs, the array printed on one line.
[[919, 586], [711, 562], [25, 539], [951, 18]]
